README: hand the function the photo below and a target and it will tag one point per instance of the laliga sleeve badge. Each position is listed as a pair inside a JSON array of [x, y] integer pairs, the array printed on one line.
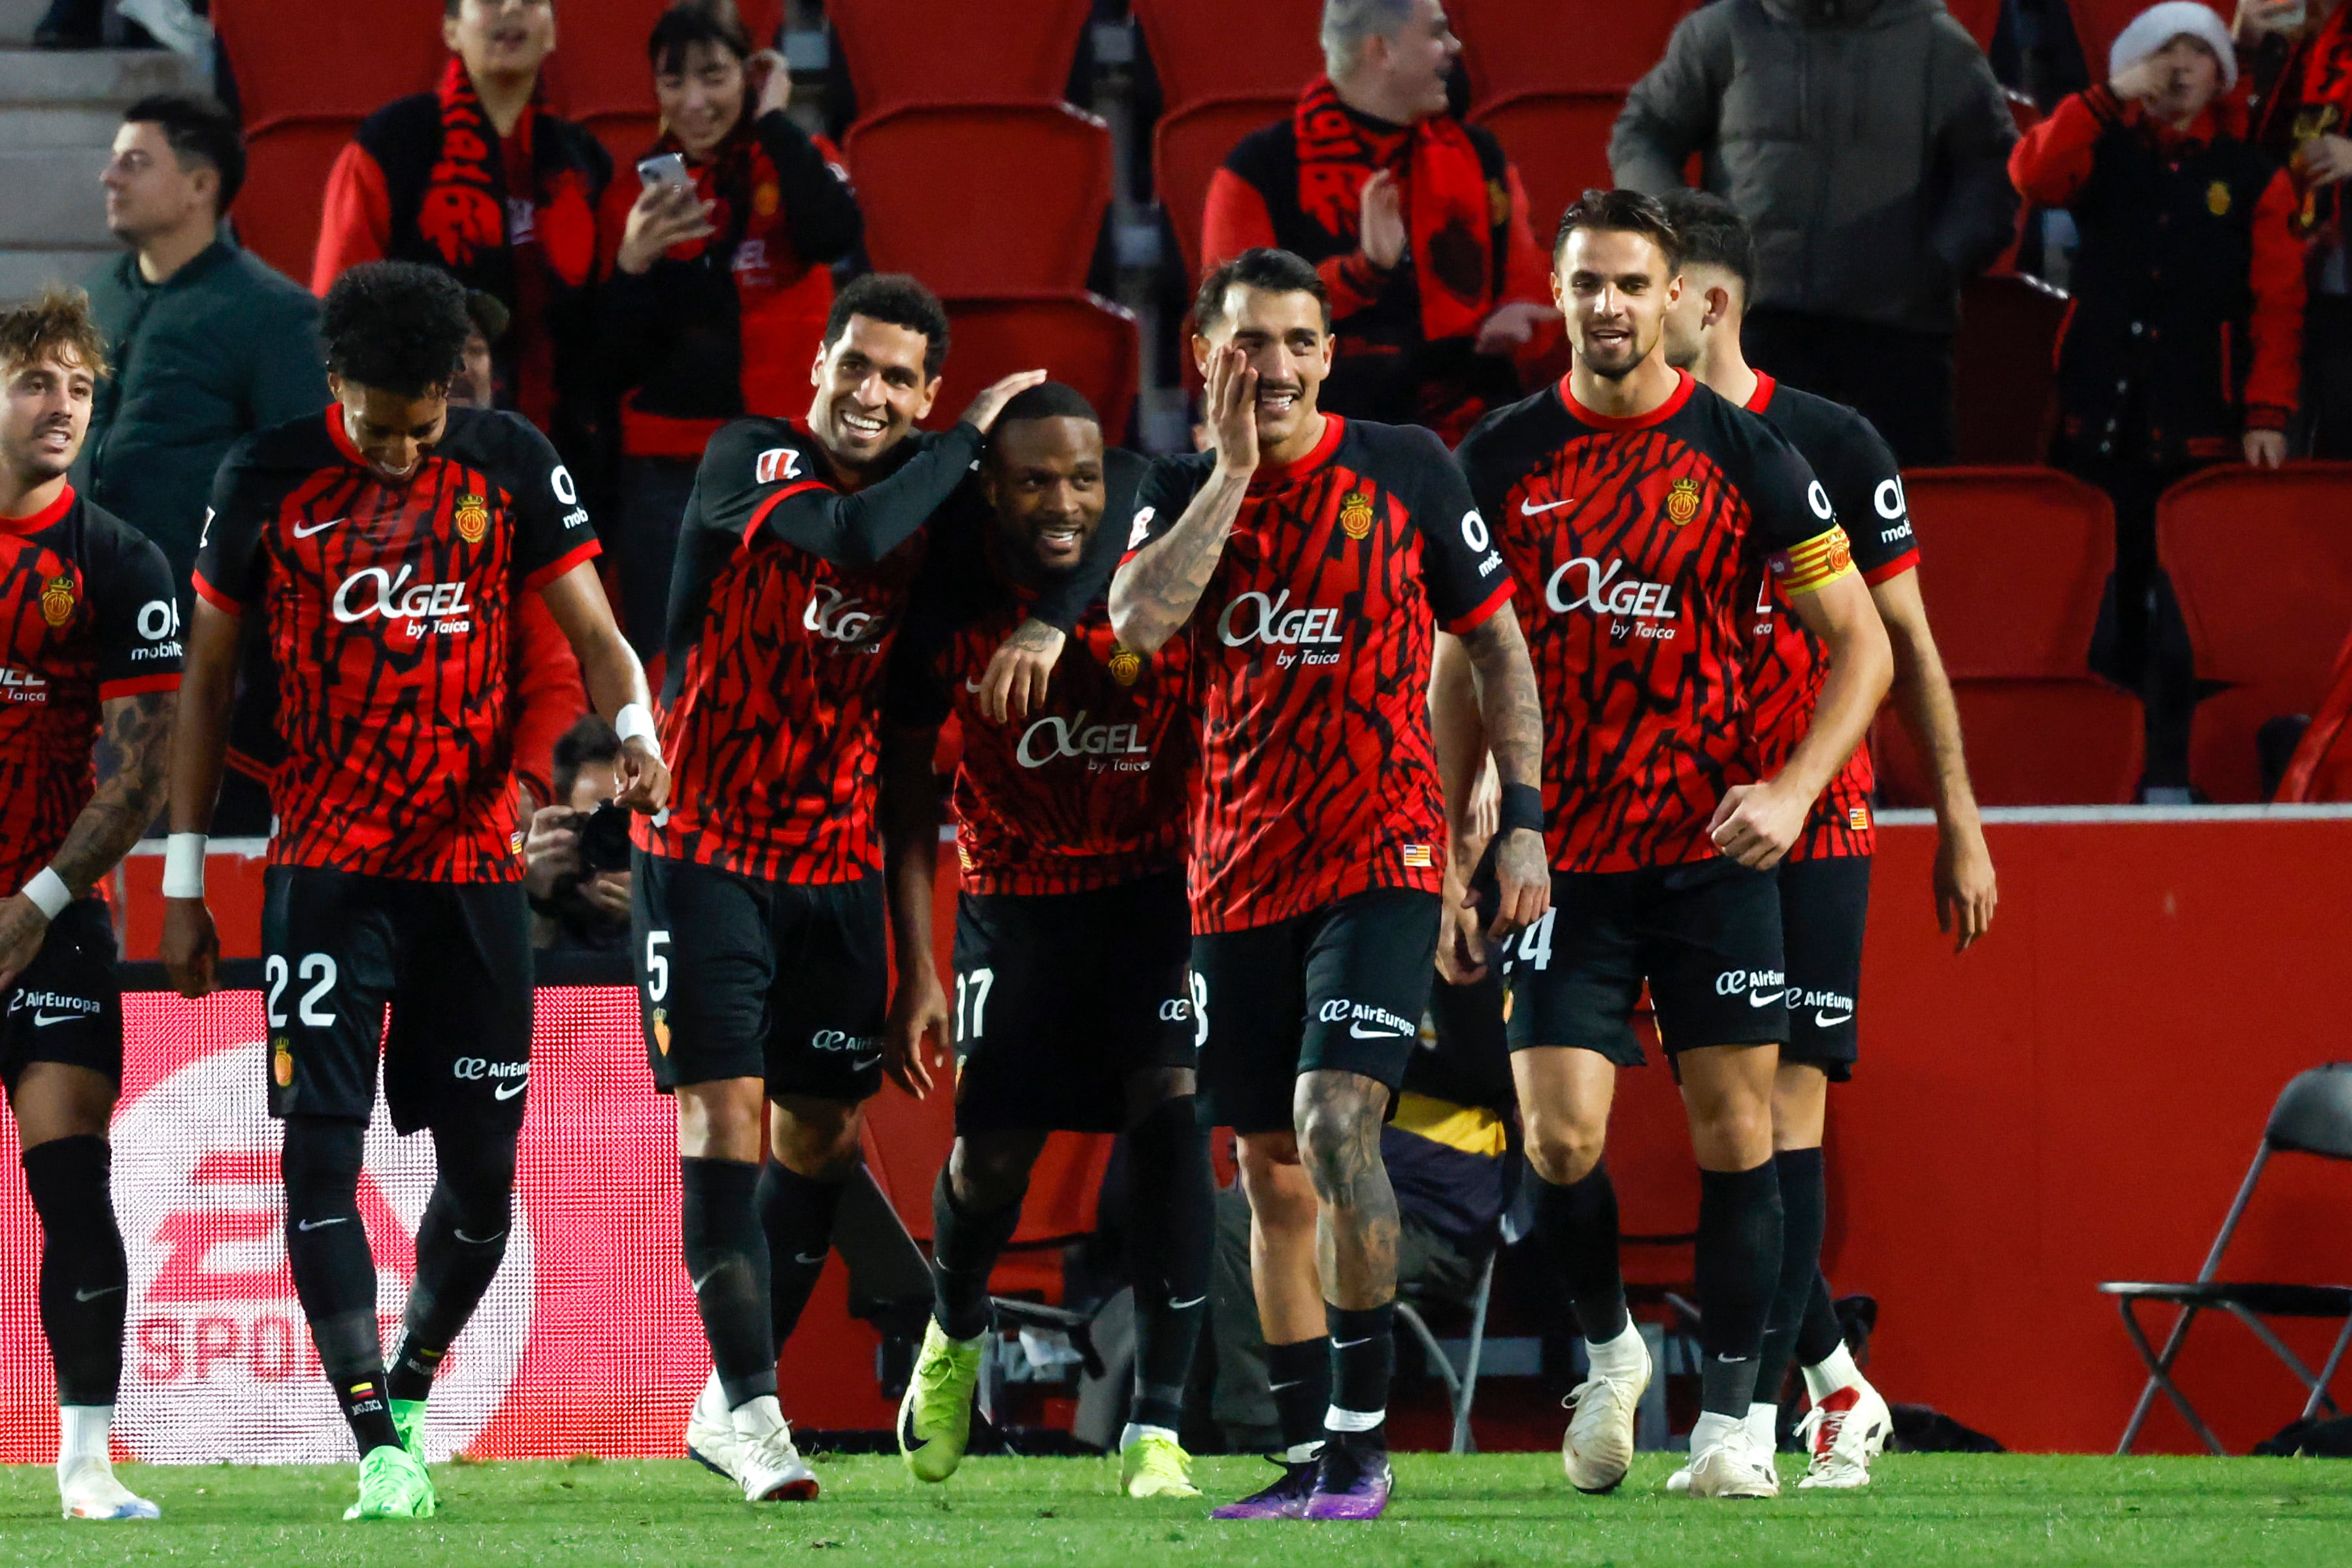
[[1355, 514], [57, 598], [473, 518], [1682, 501]]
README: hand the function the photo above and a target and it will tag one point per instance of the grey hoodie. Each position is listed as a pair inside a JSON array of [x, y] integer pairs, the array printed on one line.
[[1865, 142]]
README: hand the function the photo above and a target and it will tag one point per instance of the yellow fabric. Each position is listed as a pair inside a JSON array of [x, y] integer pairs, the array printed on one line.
[[1464, 1127], [1808, 567]]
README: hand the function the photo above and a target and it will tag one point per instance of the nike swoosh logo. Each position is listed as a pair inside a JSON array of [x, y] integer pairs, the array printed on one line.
[[1530, 509], [1764, 998], [302, 533], [972, 687], [1729, 1360], [508, 1091], [307, 1226], [1180, 1306], [1823, 1021], [1358, 1032], [93, 1295], [1278, 1387], [1350, 1343], [477, 1240], [43, 1020], [808, 1257]]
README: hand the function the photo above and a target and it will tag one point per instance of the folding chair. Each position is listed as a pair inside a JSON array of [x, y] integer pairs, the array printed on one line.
[[2313, 1116], [1462, 1386]]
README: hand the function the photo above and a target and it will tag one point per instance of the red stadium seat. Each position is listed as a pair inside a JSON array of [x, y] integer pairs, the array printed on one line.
[[979, 51], [627, 137], [1512, 48], [599, 68], [1082, 339], [286, 168], [932, 182], [2322, 767], [1207, 49], [2262, 564], [1187, 149], [2055, 741], [2005, 367], [1559, 141]]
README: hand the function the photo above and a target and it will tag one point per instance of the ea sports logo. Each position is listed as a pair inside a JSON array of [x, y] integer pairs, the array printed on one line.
[[218, 1363]]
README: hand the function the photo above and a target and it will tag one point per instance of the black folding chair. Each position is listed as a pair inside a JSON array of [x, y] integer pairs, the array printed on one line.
[[2313, 1116]]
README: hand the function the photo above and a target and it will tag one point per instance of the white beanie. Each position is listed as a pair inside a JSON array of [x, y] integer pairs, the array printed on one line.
[[2157, 26]]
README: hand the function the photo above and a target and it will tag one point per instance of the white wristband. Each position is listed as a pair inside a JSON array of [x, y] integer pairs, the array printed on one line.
[[634, 722], [48, 892], [183, 865]]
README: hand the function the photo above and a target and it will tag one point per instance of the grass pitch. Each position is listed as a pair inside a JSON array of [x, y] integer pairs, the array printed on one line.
[[1503, 1510]]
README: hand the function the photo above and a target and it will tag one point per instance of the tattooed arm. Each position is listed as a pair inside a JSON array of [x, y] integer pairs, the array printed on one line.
[[137, 730], [1154, 594], [1483, 699]]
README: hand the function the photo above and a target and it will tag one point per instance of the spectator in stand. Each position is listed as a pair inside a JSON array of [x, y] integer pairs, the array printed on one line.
[[209, 342], [573, 904], [717, 283], [1417, 221], [477, 385], [477, 179], [2301, 59], [2181, 348], [1864, 141]]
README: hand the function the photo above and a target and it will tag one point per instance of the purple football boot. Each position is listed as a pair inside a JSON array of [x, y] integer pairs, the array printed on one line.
[[1286, 1499], [1353, 1480]]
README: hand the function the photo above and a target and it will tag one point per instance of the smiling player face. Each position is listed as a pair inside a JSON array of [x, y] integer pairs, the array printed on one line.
[[1044, 477], [44, 416], [1282, 333], [1615, 286], [870, 389]]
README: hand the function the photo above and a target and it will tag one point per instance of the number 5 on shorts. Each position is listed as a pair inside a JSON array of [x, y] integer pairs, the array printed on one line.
[[657, 966]]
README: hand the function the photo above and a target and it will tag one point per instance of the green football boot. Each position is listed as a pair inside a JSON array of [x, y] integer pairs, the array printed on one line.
[[935, 1418], [393, 1485]]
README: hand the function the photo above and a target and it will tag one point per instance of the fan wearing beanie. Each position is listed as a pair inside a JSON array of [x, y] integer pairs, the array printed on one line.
[[2183, 345]]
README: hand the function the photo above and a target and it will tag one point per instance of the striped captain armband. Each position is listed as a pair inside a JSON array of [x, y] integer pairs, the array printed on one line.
[[1820, 561]]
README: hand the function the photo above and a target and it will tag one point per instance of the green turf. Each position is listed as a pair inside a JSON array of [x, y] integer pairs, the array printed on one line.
[[1515, 1509]]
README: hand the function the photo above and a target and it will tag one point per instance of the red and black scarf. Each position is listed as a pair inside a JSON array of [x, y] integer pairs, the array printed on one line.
[[2313, 98], [461, 216], [1448, 208]]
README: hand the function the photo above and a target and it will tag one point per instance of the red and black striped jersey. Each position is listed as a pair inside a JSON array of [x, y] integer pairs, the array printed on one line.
[[1310, 668], [390, 618], [786, 597], [1789, 664], [86, 614], [1636, 536], [1089, 789]]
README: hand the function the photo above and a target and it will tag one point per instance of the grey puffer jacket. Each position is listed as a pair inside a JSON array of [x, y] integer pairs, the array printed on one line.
[[1864, 141]]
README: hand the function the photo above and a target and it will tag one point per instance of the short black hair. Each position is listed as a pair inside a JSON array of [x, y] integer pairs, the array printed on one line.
[[1621, 212], [589, 741], [395, 326], [1712, 232], [1048, 400], [691, 22], [197, 127], [488, 314], [894, 299], [1275, 271]]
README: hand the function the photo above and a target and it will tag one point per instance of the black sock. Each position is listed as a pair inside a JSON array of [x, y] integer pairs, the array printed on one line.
[[459, 1245], [1739, 1271], [964, 1248], [1173, 1198], [1802, 1202], [1300, 1376], [334, 1273], [727, 1260], [85, 1282], [1576, 1226], [1821, 1333], [796, 1212], [1363, 1362]]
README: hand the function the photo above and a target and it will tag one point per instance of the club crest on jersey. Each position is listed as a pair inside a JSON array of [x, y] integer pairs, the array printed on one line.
[[473, 518], [2217, 198], [1682, 501], [281, 1062], [661, 1030], [1126, 666], [57, 600], [1355, 514]]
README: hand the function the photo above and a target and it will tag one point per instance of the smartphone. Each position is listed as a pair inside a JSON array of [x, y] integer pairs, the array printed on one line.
[[668, 168]]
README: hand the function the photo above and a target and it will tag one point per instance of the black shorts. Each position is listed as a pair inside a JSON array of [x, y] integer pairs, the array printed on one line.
[[742, 978], [1341, 989], [1824, 905], [1706, 938], [67, 1004], [452, 962], [1059, 998]]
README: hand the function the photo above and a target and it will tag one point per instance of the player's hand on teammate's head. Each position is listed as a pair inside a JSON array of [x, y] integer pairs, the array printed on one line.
[[992, 401], [1020, 671], [645, 777], [23, 928], [1231, 401], [1755, 824], [917, 1032], [191, 947]]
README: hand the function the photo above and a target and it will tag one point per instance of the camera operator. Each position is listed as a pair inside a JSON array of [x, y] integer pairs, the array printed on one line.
[[576, 856]]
